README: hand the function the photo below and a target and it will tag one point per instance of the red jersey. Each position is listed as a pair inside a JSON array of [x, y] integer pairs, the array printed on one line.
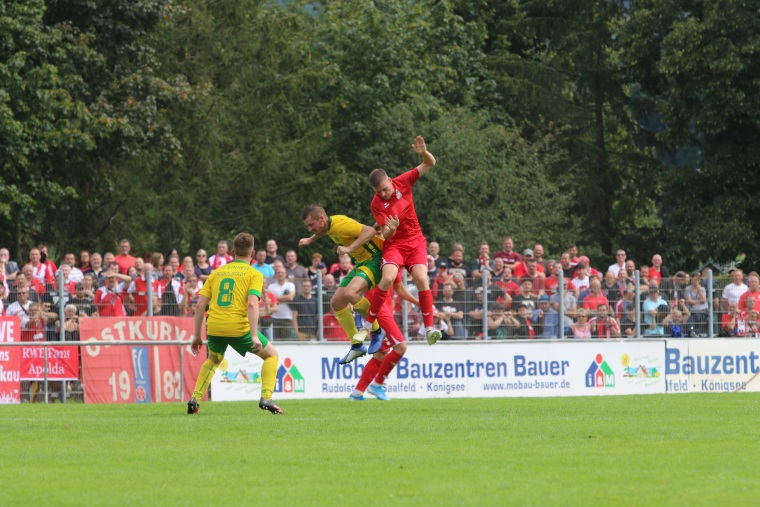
[[217, 262], [33, 331], [139, 290], [401, 204], [110, 304], [521, 271], [749, 294], [551, 283], [592, 302]]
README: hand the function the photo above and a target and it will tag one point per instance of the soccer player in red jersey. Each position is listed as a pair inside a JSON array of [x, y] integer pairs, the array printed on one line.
[[389, 351], [407, 247]]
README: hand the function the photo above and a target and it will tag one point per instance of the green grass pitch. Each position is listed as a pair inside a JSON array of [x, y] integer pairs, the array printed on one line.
[[697, 449]]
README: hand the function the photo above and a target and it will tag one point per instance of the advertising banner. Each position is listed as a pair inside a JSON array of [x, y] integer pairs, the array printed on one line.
[[137, 373], [479, 369], [10, 361], [712, 365], [63, 363]]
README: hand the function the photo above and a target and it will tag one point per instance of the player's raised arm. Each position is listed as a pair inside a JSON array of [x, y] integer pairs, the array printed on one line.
[[428, 160]]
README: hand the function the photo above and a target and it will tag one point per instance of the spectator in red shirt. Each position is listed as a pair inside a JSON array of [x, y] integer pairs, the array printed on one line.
[[658, 271], [596, 297], [753, 292], [108, 298], [124, 260]]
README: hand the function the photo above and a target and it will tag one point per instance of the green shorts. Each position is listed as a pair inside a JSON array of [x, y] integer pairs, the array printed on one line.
[[370, 270], [242, 344]]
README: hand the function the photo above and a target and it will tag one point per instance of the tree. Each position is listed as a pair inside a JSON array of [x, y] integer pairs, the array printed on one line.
[[697, 64]]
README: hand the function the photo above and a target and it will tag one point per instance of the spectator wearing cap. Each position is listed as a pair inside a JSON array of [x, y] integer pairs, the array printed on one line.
[[545, 319], [523, 268], [483, 261], [581, 279], [590, 271], [442, 277], [654, 309]]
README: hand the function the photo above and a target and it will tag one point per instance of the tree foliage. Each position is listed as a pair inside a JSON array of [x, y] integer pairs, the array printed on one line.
[[608, 123]]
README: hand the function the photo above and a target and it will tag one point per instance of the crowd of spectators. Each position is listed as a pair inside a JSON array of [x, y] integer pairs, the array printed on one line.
[[521, 293]]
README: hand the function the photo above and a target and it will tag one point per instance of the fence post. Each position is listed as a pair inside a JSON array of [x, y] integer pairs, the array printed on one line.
[[710, 305], [149, 282], [61, 332], [320, 308], [561, 295], [637, 299]]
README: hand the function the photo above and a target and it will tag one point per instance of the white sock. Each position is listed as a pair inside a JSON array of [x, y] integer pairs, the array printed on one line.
[[358, 393]]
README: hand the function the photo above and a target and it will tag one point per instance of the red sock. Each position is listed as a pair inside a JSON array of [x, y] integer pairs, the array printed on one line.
[[426, 305], [370, 371], [376, 300], [388, 364]]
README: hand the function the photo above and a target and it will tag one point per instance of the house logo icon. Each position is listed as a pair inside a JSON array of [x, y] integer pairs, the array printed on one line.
[[599, 374], [289, 379]]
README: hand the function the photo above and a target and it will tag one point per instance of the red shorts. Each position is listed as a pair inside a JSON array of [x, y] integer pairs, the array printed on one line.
[[393, 335], [406, 254]]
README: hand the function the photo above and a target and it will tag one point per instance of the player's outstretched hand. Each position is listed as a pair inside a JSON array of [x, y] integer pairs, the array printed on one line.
[[342, 250], [419, 145], [196, 345], [392, 222], [304, 241]]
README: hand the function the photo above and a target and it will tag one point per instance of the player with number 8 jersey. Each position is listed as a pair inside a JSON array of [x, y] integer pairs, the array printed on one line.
[[232, 294]]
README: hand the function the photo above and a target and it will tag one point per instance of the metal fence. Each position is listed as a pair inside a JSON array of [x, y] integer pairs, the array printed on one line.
[[468, 309]]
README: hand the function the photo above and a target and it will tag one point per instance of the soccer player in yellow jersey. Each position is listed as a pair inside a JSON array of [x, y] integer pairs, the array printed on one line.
[[232, 293], [366, 248]]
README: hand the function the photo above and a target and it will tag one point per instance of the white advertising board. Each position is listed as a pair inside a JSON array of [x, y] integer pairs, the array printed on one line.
[[712, 365], [474, 369]]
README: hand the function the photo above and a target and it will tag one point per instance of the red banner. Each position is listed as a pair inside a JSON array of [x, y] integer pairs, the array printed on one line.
[[63, 363], [137, 373], [10, 361]]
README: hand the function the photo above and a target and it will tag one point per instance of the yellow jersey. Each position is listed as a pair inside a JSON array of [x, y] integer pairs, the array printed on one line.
[[344, 230], [227, 289]]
